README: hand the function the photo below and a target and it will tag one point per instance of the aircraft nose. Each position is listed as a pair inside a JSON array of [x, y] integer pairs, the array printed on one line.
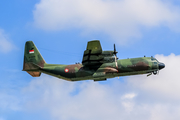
[[161, 66]]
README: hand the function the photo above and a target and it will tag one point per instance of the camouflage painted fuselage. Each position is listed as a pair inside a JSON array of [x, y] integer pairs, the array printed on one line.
[[97, 65], [126, 67]]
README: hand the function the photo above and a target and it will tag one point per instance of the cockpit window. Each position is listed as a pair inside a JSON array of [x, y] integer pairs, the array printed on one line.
[[152, 58]]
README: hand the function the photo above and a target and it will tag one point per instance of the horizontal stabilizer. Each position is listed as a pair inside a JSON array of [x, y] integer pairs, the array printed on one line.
[[34, 74]]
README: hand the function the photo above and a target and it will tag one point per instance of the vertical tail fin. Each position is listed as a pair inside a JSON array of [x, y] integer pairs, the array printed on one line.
[[33, 61]]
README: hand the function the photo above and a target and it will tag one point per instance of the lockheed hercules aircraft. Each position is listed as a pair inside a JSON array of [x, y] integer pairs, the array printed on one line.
[[97, 65]]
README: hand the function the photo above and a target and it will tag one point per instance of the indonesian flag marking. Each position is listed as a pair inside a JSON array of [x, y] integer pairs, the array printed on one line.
[[31, 51], [66, 70]]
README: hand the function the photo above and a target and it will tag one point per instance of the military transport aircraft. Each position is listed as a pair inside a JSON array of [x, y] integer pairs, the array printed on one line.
[[97, 65]]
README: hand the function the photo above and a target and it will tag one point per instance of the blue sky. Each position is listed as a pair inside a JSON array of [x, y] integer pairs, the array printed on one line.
[[61, 29]]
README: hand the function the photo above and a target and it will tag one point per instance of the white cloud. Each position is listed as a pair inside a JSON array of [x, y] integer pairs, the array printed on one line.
[[116, 18], [136, 98], [5, 45], [129, 96], [167, 83], [9, 101]]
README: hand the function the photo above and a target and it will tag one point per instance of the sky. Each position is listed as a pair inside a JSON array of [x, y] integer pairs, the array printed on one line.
[[61, 29]]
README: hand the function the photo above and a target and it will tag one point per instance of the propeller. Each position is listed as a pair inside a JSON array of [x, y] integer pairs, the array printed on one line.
[[115, 52]]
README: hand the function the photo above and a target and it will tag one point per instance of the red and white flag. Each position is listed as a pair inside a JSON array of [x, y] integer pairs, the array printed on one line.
[[31, 51]]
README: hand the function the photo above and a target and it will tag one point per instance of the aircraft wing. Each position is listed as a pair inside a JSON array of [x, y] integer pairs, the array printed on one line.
[[93, 54]]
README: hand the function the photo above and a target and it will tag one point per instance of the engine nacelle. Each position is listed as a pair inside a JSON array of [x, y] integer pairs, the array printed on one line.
[[109, 59], [108, 53]]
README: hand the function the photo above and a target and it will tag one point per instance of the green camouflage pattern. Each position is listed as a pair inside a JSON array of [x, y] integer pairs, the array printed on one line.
[[93, 54], [96, 65], [32, 61]]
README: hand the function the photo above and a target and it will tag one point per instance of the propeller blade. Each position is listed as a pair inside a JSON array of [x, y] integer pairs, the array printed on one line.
[[114, 48], [116, 62], [115, 52]]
